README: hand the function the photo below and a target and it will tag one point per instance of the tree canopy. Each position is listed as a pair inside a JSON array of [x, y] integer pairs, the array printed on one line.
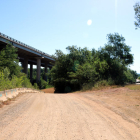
[[9, 59], [81, 66], [10, 71], [137, 15]]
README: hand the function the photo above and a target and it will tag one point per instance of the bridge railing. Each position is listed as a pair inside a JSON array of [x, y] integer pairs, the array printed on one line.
[[23, 44]]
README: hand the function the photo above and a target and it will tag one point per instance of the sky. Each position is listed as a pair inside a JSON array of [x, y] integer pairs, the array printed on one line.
[[50, 25]]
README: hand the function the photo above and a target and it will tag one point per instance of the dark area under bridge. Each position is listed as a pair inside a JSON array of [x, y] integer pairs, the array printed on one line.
[[28, 55]]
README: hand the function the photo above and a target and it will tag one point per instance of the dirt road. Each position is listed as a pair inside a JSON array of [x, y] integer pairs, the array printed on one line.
[[35, 116]]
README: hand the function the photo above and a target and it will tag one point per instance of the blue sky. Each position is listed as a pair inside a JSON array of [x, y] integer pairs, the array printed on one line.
[[52, 25]]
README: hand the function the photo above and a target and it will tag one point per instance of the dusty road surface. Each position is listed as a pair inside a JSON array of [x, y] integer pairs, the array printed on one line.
[[74, 116]]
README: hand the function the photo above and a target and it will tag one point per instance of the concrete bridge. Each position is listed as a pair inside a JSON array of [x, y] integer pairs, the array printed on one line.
[[28, 55]]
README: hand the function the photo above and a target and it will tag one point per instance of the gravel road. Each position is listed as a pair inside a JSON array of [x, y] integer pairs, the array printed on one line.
[[35, 116]]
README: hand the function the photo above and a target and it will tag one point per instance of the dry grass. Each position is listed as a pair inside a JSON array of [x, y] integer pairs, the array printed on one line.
[[133, 87], [105, 87], [125, 101]]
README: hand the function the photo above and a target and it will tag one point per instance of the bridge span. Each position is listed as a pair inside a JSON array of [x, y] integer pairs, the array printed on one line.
[[28, 55]]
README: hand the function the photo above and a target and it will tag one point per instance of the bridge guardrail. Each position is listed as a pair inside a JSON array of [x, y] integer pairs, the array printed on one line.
[[25, 45]]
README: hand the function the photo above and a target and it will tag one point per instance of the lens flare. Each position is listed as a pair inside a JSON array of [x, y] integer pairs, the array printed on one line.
[[89, 22]]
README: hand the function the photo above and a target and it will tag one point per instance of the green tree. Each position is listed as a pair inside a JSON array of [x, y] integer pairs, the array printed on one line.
[[10, 71], [83, 67], [130, 76], [9, 59], [117, 54], [137, 15], [118, 50], [77, 67]]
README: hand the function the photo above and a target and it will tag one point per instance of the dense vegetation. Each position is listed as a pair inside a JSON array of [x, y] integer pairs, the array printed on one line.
[[11, 75], [10, 82], [83, 68], [79, 69], [10, 71], [42, 84]]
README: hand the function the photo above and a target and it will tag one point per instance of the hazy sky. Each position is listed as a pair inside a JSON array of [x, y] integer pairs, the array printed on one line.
[[49, 25]]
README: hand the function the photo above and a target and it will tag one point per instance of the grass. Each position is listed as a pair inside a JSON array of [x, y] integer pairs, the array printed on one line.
[[133, 87], [104, 85], [99, 85]]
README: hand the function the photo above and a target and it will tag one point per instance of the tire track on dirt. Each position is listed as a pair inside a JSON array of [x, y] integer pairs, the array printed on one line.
[[39, 116]]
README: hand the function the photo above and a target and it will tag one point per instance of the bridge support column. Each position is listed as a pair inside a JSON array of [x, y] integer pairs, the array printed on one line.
[[46, 70], [22, 65], [25, 65], [38, 69], [31, 72], [50, 78]]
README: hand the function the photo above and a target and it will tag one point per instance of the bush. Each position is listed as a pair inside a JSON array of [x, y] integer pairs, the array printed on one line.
[[87, 86], [111, 81], [129, 77], [83, 69], [98, 84], [26, 82], [36, 86], [14, 82], [42, 84], [101, 83]]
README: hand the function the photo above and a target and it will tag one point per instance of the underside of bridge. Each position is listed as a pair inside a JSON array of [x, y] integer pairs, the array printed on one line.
[[30, 57]]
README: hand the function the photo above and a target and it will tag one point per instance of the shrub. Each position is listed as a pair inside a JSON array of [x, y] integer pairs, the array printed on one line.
[[36, 86], [42, 84], [26, 82], [14, 82], [101, 83], [87, 86]]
